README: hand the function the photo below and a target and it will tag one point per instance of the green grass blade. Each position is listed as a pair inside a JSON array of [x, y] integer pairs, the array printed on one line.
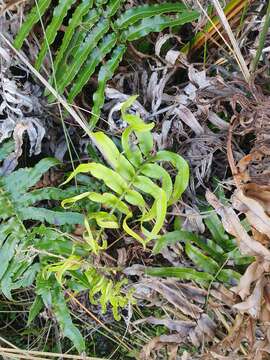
[[140, 12], [106, 72], [32, 18], [59, 14]]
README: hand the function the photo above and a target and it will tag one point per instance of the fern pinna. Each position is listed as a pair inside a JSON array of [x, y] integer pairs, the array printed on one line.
[[138, 203], [96, 30]]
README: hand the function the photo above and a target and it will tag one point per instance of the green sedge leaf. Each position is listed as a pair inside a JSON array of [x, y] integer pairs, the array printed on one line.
[[33, 17], [140, 12], [59, 14]]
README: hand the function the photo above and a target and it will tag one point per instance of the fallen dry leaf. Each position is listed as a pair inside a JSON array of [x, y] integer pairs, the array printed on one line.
[[252, 274], [252, 305], [157, 343], [233, 226]]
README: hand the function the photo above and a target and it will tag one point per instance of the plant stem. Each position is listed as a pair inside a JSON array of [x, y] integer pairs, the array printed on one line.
[[262, 38]]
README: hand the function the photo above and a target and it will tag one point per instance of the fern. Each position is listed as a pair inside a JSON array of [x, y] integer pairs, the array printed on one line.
[[133, 177], [92, 33], [214, 256], [28, 253], [16, 206]]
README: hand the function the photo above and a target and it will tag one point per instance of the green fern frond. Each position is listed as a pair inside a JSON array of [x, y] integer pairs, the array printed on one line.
[[105, 73], [16, 206], [59, 14], [132, 176], [95, 29], [214, 256]]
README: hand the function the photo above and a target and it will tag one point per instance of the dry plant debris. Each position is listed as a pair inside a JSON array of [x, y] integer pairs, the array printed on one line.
[[220, 124]]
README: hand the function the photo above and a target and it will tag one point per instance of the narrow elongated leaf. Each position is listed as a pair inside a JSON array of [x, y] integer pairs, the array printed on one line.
[[33, 17], [59, 14], [105, 220], [81, 10], [112, 7], [216, 228], [51, 216], [91, 63], [20, 181], [106, 72], [157, 172], [80, 54], [173, 238], [110, 200], [35, 309], [179, 273], [140, 12], [157, 24], [49, 193], [202, 261], [134, 198], [7, 252], [107, 148], [6, 148], [182, 177], [63, 317], [113, 180]]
